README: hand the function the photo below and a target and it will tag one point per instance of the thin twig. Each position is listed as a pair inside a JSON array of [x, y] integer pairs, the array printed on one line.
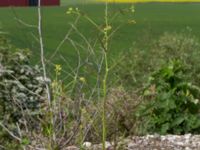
[[10, 132], [42, 51], [42, 57], [24, 23], [64, 39]]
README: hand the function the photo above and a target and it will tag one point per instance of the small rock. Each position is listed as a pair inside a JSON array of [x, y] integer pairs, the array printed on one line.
[[72, 148], [132, 145], [188, 136], [107, 145], [87, 144], [187, 148]]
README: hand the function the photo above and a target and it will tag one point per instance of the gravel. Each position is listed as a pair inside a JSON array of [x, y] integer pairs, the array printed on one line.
[[150, 142]]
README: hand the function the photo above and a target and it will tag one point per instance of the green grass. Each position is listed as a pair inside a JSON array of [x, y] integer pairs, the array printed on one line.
[[152, 20]]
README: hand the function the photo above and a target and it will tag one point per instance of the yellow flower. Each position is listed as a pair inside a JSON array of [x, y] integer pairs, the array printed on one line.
[[69, 11], [72, 10], [54, 84], [132, 9], [58, 69], [82, 79]]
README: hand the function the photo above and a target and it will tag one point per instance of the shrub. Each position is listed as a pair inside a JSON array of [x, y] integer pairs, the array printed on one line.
[[175, 44], [171, 102], [120, 121], [21, 87], [183, 46], [121, 106], [21, 90], [136, 66]]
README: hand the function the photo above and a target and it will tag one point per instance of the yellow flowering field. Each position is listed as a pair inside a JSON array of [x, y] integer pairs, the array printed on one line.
[[140, 1]]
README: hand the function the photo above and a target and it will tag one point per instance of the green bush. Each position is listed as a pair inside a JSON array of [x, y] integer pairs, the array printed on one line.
[[136, 66], [171, 102], [21, 94], [21, 89]]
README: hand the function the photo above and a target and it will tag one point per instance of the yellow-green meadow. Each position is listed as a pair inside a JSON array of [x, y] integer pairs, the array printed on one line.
[[142, 1]]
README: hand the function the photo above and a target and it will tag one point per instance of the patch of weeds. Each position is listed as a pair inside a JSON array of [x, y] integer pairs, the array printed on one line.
[[171, 102]]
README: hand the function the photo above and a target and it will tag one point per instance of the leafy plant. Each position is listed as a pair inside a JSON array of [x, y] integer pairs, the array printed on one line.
[[21, 85], [172, 102], [137, 64], [22, 96]]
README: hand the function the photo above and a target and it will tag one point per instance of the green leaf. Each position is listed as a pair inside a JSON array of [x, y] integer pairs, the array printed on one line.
[[164, 128], [25, 141], [178, 121]]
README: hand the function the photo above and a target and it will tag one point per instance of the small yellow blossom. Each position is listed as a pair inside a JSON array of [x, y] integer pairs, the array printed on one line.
[[132, 9], [69, 11], [72, 10], [58, 69], [82, 79], [54, 84]]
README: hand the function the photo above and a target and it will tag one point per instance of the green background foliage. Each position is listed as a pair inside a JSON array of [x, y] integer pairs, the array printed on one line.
[[152, 20], [172, 102]]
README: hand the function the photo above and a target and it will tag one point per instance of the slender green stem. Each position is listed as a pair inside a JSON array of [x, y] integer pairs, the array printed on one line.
[[105, 41]]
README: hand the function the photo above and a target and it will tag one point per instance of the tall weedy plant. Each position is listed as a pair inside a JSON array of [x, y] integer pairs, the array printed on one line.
[[58, 127], [105, 50], [103, 65]]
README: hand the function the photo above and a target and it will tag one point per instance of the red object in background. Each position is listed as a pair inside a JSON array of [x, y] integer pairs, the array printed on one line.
[[13, 2], [18, 2], [27, 2], [50, 2]]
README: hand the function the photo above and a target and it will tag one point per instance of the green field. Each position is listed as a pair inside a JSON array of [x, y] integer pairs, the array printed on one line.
[[153, 19]]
